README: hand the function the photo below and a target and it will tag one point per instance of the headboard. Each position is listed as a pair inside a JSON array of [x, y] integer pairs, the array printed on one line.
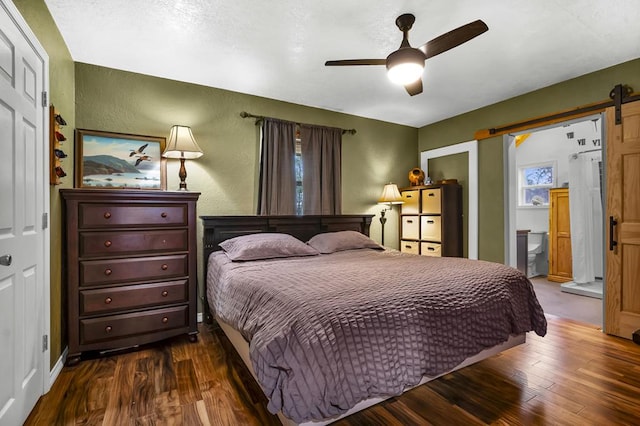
[[216, 229]]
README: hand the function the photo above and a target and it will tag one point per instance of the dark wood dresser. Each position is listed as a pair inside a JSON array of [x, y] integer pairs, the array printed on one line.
[[130, 266]]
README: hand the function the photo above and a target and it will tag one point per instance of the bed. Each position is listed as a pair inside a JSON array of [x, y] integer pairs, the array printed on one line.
[[336, 325]]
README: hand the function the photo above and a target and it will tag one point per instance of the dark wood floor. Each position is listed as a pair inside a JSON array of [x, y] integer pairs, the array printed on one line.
[[574, 376]]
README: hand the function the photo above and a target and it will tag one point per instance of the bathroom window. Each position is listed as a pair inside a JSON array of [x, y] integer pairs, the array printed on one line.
[[534, 182]]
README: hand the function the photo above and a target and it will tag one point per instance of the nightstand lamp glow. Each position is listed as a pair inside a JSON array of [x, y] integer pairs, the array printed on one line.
[[182, 145]]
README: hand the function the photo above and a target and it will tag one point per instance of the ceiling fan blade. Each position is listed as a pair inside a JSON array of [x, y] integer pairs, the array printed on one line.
[[453, 38], [356, 62], [414, 88]]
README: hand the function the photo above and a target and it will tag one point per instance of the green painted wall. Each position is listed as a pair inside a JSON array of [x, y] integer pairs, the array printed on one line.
[[62, 96], [569, 94], [227, 174]]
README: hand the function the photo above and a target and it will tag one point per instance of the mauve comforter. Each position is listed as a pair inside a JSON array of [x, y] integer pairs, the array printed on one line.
[[328, 331]]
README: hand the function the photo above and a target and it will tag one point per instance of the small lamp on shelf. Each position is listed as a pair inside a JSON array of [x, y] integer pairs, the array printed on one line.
[[390, 196], [182, 145]]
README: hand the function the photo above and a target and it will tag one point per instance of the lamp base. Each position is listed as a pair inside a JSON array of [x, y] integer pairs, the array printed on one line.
[[182, 174], [383, 220]]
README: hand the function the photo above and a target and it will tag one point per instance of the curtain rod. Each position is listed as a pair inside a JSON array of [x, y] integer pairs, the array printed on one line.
[[575, 154], [259, 118], [588, 151]]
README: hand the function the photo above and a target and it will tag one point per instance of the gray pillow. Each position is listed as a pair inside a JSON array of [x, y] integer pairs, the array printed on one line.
[[330, 242], [265, 246]]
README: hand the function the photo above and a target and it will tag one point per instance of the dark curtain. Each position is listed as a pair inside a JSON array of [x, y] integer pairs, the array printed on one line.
[[322, 176], [277, 168]]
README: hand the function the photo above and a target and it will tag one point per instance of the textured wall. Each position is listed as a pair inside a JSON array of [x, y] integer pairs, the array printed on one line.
[[579, 91], [62, 96], [227, 174]]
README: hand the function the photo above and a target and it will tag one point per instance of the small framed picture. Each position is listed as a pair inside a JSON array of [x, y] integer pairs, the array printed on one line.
[[118, 160]]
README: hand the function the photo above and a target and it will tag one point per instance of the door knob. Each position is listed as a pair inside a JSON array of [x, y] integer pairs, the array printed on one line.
[[5, 260]]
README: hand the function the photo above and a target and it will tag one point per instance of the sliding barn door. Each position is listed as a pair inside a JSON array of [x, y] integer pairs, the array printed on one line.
[[622, 297]]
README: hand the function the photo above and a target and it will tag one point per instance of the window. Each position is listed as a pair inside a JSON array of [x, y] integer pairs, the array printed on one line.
[[298, 165], [534, 182], [299, 174]]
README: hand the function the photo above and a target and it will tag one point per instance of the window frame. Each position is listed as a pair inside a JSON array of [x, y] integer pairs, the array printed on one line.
[[522, 187]]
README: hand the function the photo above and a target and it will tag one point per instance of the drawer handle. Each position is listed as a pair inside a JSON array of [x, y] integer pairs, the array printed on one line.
[[431, 194], [108, 300], [165, 320], [431, 249], [163, 214], [431, 222], [108, 329], [408, 246], [165, 267], [409, 196], [107, 243], [107, 215], [108, 271], [165, 293], [409, 221]]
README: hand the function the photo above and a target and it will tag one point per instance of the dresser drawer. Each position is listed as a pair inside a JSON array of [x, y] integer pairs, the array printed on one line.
[[109, 215], [431, 201], [431, 228], [431, 249], [411, 227], [412, 247], [104, 300], [123, 242], [97, 272], [411, 202], [124, 325]]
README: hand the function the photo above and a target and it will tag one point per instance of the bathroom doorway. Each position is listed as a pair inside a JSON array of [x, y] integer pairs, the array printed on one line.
[[555, 227]]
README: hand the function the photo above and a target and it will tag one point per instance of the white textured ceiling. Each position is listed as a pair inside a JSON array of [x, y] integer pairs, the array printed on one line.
[[277, 49]]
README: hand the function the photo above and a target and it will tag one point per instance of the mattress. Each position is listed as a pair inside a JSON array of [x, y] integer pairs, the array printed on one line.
[[328, 331]]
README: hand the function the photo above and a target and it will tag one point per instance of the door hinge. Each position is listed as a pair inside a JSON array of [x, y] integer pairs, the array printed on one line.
[[45, 343], [45, 220], [45, 102]]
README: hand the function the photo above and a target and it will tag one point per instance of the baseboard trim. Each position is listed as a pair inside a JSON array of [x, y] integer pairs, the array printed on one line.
[[57, 369]]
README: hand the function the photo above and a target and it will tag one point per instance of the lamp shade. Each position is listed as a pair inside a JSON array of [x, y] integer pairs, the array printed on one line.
[[182, 144], [391, 195]]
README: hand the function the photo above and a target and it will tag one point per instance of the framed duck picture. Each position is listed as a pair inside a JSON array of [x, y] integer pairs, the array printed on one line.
[[119, 160]]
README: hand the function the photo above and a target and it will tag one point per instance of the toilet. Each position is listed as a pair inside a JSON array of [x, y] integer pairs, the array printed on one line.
[[536, 254]]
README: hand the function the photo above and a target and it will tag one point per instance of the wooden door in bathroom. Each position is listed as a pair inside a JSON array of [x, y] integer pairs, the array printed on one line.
[[622, 297]]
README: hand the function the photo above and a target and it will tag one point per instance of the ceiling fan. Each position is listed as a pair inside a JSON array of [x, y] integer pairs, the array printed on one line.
[[406, 64]]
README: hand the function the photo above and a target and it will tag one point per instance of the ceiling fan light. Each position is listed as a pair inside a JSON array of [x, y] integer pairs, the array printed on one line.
[[405, 65], [406, 73]]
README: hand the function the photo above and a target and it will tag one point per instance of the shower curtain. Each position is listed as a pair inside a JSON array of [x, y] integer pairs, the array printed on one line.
[[585, 214]]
